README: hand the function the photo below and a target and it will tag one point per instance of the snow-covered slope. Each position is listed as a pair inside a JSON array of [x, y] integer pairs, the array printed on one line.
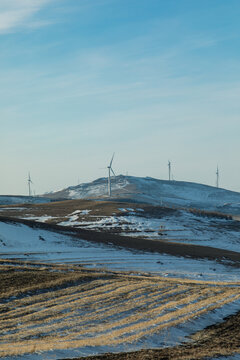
[[19, 241], [181, 226], [96, 189], [154, 191]]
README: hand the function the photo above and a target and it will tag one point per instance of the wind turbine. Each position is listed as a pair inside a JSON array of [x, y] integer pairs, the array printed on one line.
[[217, 180], [109, 176], [29, 184], [169, 170]]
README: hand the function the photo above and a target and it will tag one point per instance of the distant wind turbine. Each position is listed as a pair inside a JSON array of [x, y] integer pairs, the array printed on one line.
[[29, 184], [109, 176], [217, 180], [169, 170]]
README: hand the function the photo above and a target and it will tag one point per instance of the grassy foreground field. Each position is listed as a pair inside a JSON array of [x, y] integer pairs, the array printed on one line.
[[46, 307]]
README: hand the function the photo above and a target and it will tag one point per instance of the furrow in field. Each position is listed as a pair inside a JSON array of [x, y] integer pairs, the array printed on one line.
[[75, 324], [132, 321], [48, 310], [57, 293], [132, 304], [53, 301], [112, 338], [181, 319]]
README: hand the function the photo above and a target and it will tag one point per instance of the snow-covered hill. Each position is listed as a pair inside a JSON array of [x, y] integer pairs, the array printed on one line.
[[154, 191]]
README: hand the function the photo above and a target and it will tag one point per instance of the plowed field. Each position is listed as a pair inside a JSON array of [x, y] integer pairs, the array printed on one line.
[[51, 307]]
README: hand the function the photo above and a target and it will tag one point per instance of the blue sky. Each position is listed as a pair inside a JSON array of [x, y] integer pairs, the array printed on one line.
[[150, 80]]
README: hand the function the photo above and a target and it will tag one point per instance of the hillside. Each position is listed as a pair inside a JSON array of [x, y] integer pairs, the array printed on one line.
[[83, 277], [20, 199], [157, 192], [68, 292]]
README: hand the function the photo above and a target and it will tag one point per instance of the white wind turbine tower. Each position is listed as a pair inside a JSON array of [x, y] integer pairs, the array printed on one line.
[[109, 176], [169, 170], [29, 184]]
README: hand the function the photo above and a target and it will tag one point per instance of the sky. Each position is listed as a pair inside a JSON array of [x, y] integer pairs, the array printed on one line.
[[151, 80]]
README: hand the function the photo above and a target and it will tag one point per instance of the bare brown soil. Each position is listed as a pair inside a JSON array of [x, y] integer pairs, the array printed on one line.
[[61, 209]]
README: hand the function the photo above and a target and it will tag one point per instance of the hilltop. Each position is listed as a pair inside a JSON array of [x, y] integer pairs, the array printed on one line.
[[155, 192]]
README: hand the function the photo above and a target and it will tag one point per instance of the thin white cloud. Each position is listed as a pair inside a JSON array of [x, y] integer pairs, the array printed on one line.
[[15, 14]]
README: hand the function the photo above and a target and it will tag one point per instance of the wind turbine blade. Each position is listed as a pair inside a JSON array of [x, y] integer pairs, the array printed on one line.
[[113, 172], [111, 160]]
